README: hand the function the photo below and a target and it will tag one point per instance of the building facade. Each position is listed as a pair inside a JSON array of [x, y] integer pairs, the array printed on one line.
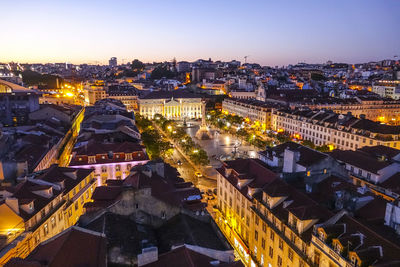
[[256, 111], [336, 130], [16, 102], [109, 160], [171, 104], [41, 206], [389, 89]]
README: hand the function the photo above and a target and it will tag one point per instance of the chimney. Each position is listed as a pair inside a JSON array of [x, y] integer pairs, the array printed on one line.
[[147, 256], [13, 204]]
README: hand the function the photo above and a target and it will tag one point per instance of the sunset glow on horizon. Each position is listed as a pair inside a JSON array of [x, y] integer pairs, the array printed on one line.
[[269, 32]]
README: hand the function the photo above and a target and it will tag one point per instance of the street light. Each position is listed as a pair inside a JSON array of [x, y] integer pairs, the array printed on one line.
[[195, 151], [169, 127]]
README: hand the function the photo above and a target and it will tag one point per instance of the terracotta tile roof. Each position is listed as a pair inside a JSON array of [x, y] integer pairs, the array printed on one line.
[[73, 247], [360, 160], [183, 256], [24, 190]]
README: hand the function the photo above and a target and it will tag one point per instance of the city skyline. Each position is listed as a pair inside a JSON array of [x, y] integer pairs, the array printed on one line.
[[269, 33]]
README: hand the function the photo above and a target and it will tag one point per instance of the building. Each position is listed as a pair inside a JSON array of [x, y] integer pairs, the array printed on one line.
[[99, 90], [42, 205], [176, 104], [113, 62], [335, 130], [16, 102], [151, 212], [390, 89], [243, 94], [372, 108], [94, 92], [183, 66], [273, 222], [109, 160], [74, 246], [257, 112], [376, 167], [216, 87], [127, 94]]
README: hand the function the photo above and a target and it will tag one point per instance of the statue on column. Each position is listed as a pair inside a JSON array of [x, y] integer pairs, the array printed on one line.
[[203, 133]]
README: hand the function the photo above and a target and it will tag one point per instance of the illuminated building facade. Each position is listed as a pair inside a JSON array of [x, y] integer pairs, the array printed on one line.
[[94, 92], [256, 111], [385, 88], [16, 102], [271, 222], [337, 130], [41, 206], [109, 160], [385, 111], [171, 104]]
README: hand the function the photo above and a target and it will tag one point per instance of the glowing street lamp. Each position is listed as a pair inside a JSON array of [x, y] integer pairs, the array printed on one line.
[[195, 151]]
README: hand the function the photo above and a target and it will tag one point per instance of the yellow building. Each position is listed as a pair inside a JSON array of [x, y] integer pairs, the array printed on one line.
[[41, 206], [272, 223]]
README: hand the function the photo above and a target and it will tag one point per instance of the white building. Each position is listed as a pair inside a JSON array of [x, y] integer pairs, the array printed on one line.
[[171, 104]]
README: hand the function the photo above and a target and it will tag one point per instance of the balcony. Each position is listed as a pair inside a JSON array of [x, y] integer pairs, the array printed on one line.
[[283, 236]]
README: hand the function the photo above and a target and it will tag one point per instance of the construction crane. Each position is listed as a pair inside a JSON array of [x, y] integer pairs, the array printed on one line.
[[245, 59]]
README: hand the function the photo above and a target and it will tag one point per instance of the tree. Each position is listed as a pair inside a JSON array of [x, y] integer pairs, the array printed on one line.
[[137, 66], [308, 143], [161, 71], [318, 77], [323, 148]]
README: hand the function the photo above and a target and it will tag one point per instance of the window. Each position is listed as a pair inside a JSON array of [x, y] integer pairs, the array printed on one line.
[[45, 229], [263, 243], [264, 227], [60, 215], [308, 173], [317, 257], [53, 222], [256, 235], [271, 252], [37, 239], [103, 169], [117, 168], [290, 254], [280, 244], [257, 220], [272, 235], [76, 205], [279, 261]]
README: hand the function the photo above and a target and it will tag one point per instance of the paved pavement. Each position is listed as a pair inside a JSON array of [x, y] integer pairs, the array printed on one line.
[[222, 147]]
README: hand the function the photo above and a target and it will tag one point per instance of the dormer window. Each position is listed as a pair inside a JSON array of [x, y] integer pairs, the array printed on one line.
[[321, 235], [30, 206]]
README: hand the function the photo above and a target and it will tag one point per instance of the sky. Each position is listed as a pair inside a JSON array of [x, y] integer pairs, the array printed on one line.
[[269, 32]]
